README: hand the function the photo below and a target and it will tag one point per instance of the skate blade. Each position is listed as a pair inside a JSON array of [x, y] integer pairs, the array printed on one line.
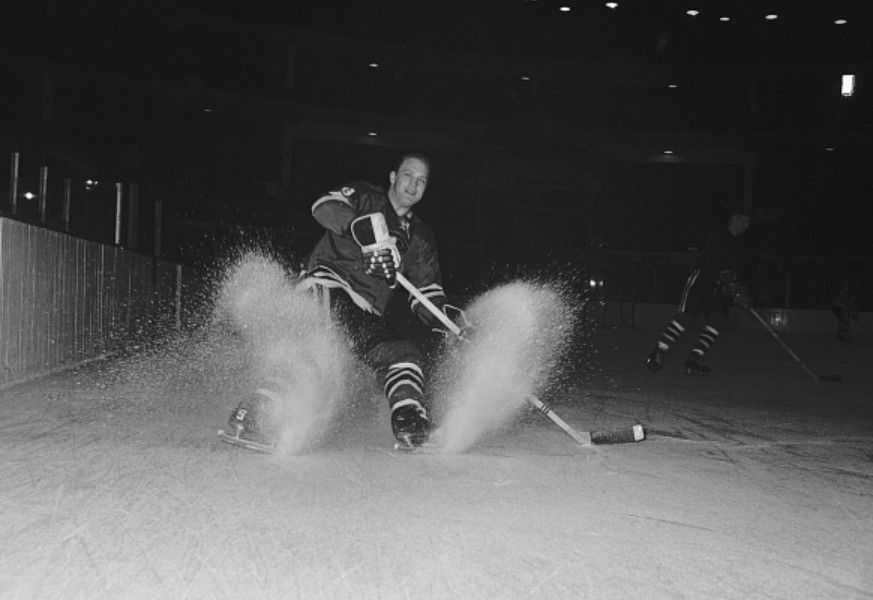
[[242, 443], [406, 445]]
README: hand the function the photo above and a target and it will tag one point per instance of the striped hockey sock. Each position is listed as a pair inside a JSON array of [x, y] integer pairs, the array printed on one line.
[[670, 334], [708, 336], [404, 382]]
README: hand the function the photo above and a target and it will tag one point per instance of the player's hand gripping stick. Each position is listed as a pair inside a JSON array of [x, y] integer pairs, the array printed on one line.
[[379, 248]]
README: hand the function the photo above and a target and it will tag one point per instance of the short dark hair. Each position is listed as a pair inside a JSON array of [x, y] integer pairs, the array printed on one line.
[[416, 154]]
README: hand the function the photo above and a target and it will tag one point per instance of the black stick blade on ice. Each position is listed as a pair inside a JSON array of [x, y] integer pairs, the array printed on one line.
[[622, 435]]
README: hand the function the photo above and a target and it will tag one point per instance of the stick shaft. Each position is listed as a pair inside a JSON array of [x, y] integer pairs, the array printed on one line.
[[425, 301], [584, 438], [781, 343]]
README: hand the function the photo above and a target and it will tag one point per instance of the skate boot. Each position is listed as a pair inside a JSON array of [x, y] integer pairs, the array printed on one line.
[[655, 360], [247, 426], [694, 367], [409, 423]]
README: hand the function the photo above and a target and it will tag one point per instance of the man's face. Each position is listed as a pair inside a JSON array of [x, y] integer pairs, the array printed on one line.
[[407, 184]]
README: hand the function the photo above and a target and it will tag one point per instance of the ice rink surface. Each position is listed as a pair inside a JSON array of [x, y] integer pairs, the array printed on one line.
[[755, 482]]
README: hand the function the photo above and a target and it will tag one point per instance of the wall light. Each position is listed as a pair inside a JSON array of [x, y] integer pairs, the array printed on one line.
[[848, 87]]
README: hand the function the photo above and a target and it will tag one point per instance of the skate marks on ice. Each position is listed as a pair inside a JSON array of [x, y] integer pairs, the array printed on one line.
[[297, 359], [481, 386]]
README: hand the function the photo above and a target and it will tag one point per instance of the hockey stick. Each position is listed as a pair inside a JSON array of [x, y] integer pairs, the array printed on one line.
[[775, 335], [586, 438]]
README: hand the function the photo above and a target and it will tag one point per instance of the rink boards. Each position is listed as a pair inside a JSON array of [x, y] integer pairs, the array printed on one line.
[[65, 300]]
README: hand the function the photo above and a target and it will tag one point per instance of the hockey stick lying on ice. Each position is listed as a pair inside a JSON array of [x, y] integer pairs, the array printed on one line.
[[585, 438], [775, 335]]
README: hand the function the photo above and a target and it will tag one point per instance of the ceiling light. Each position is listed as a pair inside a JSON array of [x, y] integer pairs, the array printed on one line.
[[564, 9], [672, 86], [373, 65], [372, 134], [840, 22], [612, 5], [771, 17], [525, 77], [848, 87], [668, 152], [724, 19], [829, 149], [692, 12]]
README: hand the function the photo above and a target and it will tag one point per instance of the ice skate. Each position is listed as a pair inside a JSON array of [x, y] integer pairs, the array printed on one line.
[[694, 367], [410, 425], [246, 427], [655, 360]]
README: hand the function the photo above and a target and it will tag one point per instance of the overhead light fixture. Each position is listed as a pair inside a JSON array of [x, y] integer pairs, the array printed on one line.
[[372, 133], [373, 65], [829, 148], [692, 12], [771, 17], [612, 5], [672, 86], [668, 152], [848, 87], [724, 19], [525, 77], [564, 9], [840, 22]]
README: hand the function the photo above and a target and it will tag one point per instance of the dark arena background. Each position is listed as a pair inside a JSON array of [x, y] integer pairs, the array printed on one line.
[[161, 160]]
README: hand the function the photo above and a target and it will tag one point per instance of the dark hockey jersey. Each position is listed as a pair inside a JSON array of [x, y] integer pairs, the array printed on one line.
[[722, 251], [337, 260]]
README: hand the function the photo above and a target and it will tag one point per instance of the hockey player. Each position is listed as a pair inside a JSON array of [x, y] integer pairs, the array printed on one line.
[[845, 308], [710, 290], [361, 283]]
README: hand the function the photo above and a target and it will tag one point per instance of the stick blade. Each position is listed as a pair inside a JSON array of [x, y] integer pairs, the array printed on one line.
[[830, 377], [622, 435], [239, 442]]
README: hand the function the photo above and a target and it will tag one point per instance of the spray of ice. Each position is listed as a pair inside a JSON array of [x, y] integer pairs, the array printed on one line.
[[481, 387], [299, 360]]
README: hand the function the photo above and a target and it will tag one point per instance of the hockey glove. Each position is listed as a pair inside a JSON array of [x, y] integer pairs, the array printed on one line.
[[382, 262], [733, 289], [459, 318], [741, 298], [727, 278]]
